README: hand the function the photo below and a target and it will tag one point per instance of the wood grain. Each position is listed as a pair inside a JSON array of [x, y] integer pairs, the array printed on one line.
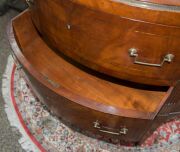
[[101, 40], [93, 90], [80, 98]]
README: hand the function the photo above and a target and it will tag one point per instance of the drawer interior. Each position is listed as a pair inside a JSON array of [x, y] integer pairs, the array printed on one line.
[[73, 83]]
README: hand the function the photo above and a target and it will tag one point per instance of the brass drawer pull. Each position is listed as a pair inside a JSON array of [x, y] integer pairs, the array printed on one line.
[[174, 113], [134, 53], [30, 2], [122, 131]]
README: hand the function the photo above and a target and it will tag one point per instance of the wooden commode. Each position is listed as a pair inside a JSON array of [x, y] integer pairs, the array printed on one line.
[[107, 67]]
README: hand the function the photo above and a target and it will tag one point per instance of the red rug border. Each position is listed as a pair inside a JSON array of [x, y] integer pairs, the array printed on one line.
[[31, 136], [13, 100]]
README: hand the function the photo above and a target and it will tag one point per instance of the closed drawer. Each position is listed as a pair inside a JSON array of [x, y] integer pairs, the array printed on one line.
[[102, 41], [154, 62]]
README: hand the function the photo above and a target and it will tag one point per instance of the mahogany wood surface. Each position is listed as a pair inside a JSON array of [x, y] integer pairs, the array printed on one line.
[[99, 34], [83, 117], [80, 98]]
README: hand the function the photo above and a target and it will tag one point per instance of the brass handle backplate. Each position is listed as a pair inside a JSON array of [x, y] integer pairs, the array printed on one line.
[[121, 131], [134, 53]]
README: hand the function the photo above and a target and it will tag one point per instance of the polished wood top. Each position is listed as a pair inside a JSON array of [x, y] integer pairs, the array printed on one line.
[[164, 2], [71, 82], [168, 15]]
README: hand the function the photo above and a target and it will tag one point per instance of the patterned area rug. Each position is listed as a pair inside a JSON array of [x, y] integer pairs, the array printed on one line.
[[42, 131]]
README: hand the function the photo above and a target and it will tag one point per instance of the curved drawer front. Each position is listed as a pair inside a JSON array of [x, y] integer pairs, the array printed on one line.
[[91, 122], [106, 42]]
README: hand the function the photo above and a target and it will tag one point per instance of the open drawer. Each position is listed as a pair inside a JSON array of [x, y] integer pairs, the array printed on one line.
[[83, 99]]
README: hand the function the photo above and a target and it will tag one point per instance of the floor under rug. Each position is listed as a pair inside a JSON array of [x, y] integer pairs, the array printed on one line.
[[48, 133]]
